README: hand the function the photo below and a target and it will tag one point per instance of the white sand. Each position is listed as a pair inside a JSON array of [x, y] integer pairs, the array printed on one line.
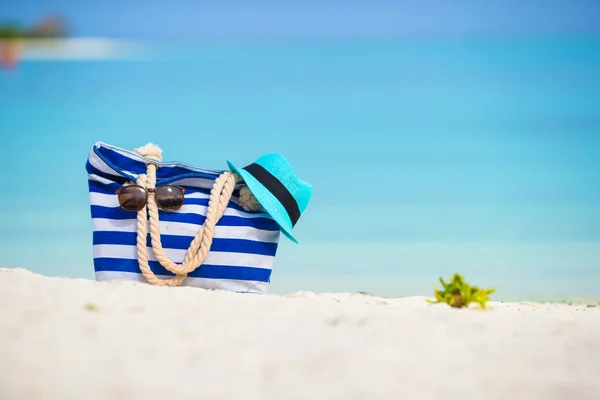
[[81, 49], [135, 341]]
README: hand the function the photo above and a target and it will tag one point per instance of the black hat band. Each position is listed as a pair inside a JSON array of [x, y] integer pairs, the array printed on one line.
[[277, 188]]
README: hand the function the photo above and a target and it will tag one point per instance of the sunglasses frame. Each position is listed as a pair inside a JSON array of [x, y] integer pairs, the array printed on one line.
[[151, 190]]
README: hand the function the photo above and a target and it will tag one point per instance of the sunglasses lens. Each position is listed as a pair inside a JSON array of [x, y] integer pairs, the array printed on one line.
[[169, 198], [132, 198]]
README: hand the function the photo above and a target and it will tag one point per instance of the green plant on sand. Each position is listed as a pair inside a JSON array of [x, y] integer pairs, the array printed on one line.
[[459, 293]]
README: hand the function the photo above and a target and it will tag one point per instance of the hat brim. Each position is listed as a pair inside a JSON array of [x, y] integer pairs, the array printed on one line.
[[267, 200]]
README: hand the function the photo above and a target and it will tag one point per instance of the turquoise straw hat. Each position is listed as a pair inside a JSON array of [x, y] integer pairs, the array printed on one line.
[[277, 188]]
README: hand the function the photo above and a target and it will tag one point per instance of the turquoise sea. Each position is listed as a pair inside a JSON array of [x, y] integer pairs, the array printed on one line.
[[428, 156]]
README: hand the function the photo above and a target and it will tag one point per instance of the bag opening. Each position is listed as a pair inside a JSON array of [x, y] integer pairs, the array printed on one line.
[[128, 164]]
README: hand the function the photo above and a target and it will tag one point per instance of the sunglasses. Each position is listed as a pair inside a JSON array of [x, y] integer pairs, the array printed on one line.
[[134, 197]]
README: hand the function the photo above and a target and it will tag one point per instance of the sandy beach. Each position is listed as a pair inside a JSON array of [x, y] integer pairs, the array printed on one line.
[[74, 339]]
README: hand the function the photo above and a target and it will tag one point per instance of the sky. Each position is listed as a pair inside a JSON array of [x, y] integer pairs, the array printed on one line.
[[236, 19]]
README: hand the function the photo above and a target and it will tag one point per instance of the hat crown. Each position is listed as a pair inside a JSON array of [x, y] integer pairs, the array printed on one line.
[[278, 166], [277, 188]]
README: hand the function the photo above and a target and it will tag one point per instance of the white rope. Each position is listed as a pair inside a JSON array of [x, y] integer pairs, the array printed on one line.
[[200, 245]]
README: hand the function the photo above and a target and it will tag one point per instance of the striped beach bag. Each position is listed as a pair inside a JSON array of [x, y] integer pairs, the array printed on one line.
[[171, 224]]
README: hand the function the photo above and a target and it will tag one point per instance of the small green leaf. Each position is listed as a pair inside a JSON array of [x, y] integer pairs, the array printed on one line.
[[458, 293]]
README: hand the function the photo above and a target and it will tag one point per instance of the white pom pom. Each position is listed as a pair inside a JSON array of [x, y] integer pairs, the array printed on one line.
[[248, 201], [150, 150]]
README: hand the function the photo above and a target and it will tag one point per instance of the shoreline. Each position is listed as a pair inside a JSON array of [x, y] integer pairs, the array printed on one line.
[[497, 297]]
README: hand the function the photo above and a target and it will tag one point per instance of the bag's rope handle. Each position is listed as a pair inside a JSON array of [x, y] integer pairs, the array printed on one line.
[[200, 245], [142, 251]]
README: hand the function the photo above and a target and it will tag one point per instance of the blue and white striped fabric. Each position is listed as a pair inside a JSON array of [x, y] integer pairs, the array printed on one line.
[[243, 249]]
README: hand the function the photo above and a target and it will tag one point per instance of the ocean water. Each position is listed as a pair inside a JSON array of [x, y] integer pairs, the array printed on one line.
[[427, 157]]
